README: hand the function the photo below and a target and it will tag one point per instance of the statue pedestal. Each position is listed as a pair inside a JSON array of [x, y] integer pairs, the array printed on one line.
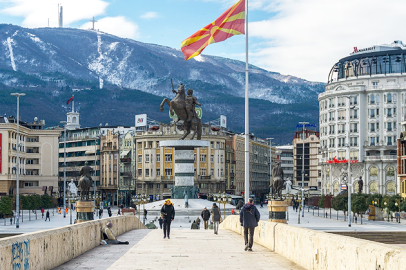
[[184, 167], [84, 211], [277, 211]]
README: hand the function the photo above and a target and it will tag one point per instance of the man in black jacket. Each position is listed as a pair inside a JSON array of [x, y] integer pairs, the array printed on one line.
[[205, 216], [249, 217], [168, 214]]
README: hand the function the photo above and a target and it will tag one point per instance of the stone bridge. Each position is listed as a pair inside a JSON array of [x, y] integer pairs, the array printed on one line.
[[277, 246]]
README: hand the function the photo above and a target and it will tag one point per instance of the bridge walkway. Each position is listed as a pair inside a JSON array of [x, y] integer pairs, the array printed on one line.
[[187, 249]]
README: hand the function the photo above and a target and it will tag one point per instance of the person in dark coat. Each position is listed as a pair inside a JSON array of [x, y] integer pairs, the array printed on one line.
[[161, 221], [205, 216], [249, 217], [215, 211], [47, 216], [168, 214], [145, 213]]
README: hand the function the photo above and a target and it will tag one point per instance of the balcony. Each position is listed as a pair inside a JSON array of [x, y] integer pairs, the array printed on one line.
[[376, 158], [126, 174], [167, 177], [125, 160], [205, 177]]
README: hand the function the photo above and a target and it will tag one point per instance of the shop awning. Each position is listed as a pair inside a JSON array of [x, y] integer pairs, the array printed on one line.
[[124, 153]]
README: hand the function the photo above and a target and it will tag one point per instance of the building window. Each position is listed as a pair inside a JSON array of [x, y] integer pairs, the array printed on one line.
[[115, 168], [158, 157], [389, 112], [212, 172], [372, 127], [389, 98], [203, 171], [168, 157], [211, 158], [221, 159], [389, 140], [147, 158], [168, 171], [372, 113], [221, 172], [158, 185], [139, 172], [139, 158], [371, 99], [372, 141], [146, 172], [150, 185], [203, 158], [158, 172]]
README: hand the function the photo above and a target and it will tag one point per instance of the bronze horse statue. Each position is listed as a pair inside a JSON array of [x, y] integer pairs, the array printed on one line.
[[178, 105], [277, 183]]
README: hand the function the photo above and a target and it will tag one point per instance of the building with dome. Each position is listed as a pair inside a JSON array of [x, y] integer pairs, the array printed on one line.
[[360, 114]]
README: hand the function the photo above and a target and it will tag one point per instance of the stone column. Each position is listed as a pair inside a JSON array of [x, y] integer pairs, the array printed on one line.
[[184, 167]]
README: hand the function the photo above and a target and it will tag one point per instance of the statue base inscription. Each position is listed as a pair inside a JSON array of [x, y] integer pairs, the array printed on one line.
[[84, 211], [277, 211]]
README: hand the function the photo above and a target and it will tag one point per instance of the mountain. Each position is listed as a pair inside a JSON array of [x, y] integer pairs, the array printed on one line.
[[115, 78]]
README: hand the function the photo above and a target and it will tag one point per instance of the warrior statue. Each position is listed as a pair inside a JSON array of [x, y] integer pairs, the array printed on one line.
[[184, 107], [288, 185], [360, 184], [277, 181], [85, 181], [72, 188]]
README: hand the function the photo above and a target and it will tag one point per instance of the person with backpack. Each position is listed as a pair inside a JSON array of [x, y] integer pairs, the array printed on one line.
[[249, 217], [205, 216]]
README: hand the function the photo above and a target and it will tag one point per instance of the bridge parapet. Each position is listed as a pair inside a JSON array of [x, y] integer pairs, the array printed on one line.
[[319, 250], [51, 248]]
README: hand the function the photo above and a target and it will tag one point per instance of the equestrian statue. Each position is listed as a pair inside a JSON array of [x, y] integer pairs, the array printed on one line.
[[184, 107]]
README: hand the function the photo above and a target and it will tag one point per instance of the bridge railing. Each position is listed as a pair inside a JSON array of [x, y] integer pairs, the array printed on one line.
[[51, 248], [320, 250]]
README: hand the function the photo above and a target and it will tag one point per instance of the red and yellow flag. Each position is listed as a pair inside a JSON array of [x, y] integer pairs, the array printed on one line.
[[230, 23]]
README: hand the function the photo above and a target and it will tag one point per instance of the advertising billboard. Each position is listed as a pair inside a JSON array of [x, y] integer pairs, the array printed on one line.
[[223, 121], [140, 120]]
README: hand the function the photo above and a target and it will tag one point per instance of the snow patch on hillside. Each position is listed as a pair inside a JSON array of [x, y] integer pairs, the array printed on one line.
[[11, 55]]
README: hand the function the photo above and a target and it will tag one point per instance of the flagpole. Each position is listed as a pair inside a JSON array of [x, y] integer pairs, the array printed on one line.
[[73, 103], [247, 135]]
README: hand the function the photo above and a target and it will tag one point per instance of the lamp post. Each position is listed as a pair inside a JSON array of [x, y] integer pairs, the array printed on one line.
[[303, 170], [270, 163], [349, 182], [376, 203], [223, 199], [18, 95], [64, 168], [397, 203]]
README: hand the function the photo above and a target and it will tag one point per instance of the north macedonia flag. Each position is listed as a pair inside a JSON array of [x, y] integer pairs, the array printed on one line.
[[230, 23]]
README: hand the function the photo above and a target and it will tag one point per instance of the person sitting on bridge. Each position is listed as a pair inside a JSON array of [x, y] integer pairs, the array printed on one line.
[[194, 225], [109, 237]]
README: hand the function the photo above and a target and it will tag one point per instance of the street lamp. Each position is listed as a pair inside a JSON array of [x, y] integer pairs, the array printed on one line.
[[387, 208], [349, 182], [397, 203], [223, 199], [303, 170], [18, 95], [64, 167], [270, 162]]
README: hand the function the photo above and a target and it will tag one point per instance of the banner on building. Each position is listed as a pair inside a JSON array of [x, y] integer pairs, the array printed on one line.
[[223, 121], [140, 120], [0, 151]]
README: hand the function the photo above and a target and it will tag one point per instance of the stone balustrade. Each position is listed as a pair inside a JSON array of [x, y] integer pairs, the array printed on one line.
[[51, 248], [319, 250]]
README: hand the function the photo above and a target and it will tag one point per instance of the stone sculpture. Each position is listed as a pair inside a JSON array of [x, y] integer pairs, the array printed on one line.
[[277, 181], [85, 181]]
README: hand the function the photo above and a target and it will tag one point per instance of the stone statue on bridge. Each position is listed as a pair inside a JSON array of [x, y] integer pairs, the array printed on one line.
[[288, 185], [277, 181], [360, 184], [85, 181]]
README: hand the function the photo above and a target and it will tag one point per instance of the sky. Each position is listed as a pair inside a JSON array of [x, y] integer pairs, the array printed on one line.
[[303, 38]]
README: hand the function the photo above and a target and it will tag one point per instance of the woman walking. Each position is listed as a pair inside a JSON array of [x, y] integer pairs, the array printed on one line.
[[168, 215]]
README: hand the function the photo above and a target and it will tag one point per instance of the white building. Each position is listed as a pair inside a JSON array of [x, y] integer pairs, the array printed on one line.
[[286, 158], [363, 102]]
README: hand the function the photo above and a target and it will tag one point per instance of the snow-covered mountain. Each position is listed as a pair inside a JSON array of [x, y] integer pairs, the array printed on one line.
[[53, 59]]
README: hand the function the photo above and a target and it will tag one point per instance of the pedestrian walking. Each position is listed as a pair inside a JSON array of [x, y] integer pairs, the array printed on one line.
[[215, 211], [66, 210], [249, 217], [100, 213], [198, 222], [59, 210], [42, 212], [262, 204], [118, 213], [232, 211], [205, 216], [47, 216], [145, 213], [168, 214], [109, 212], [161, 221]]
